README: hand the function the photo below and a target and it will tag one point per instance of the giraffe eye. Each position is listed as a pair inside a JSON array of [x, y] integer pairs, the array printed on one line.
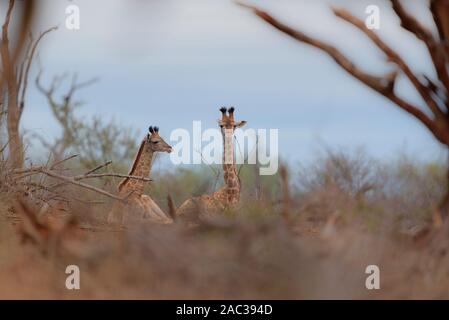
[[155, 142]]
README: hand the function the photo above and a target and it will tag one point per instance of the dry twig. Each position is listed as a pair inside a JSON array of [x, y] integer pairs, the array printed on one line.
[[75, 180]]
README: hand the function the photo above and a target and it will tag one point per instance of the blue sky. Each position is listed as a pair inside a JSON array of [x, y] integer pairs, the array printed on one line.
[[170, 62]]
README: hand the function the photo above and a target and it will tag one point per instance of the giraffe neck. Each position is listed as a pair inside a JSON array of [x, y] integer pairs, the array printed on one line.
[[229, 171], [141, 167]]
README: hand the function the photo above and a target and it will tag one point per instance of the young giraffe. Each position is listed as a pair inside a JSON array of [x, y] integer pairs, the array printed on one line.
[[229, 194], [137, 202]]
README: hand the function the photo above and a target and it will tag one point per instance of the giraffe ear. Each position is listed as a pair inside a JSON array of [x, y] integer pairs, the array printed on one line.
[[240, 124]]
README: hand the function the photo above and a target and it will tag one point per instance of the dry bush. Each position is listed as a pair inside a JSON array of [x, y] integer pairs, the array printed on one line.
[[322, 252], [96, 140], [414, 187], [341, 187], [182, 183], [238, 258], [338, 185], [352, 173]]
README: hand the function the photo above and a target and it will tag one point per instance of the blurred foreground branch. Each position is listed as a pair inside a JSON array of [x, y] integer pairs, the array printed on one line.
[[434, 114]]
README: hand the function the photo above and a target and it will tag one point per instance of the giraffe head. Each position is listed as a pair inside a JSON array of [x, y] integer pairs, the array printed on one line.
[[156, 143], [227, 121]]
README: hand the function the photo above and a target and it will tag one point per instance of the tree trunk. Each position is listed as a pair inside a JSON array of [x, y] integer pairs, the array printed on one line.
[[13, 112], [15, 146], [10, 84]]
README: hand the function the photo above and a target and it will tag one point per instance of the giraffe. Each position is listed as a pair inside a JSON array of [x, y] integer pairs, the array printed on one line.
[[229, 194], [138, 203]]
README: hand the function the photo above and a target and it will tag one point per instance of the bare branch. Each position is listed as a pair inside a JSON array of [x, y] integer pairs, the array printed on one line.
[[56, 81], [54, 165], [409, 23], [393, 56], [435, 49], [383, 85], [4, 46], [70, 180], [22, 65], [119, 175], [440, 12], [76, 86], [98, 167], [9, 77], [7, 21], [29, 60], [4, 147], [27, 14], [22, 173]]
